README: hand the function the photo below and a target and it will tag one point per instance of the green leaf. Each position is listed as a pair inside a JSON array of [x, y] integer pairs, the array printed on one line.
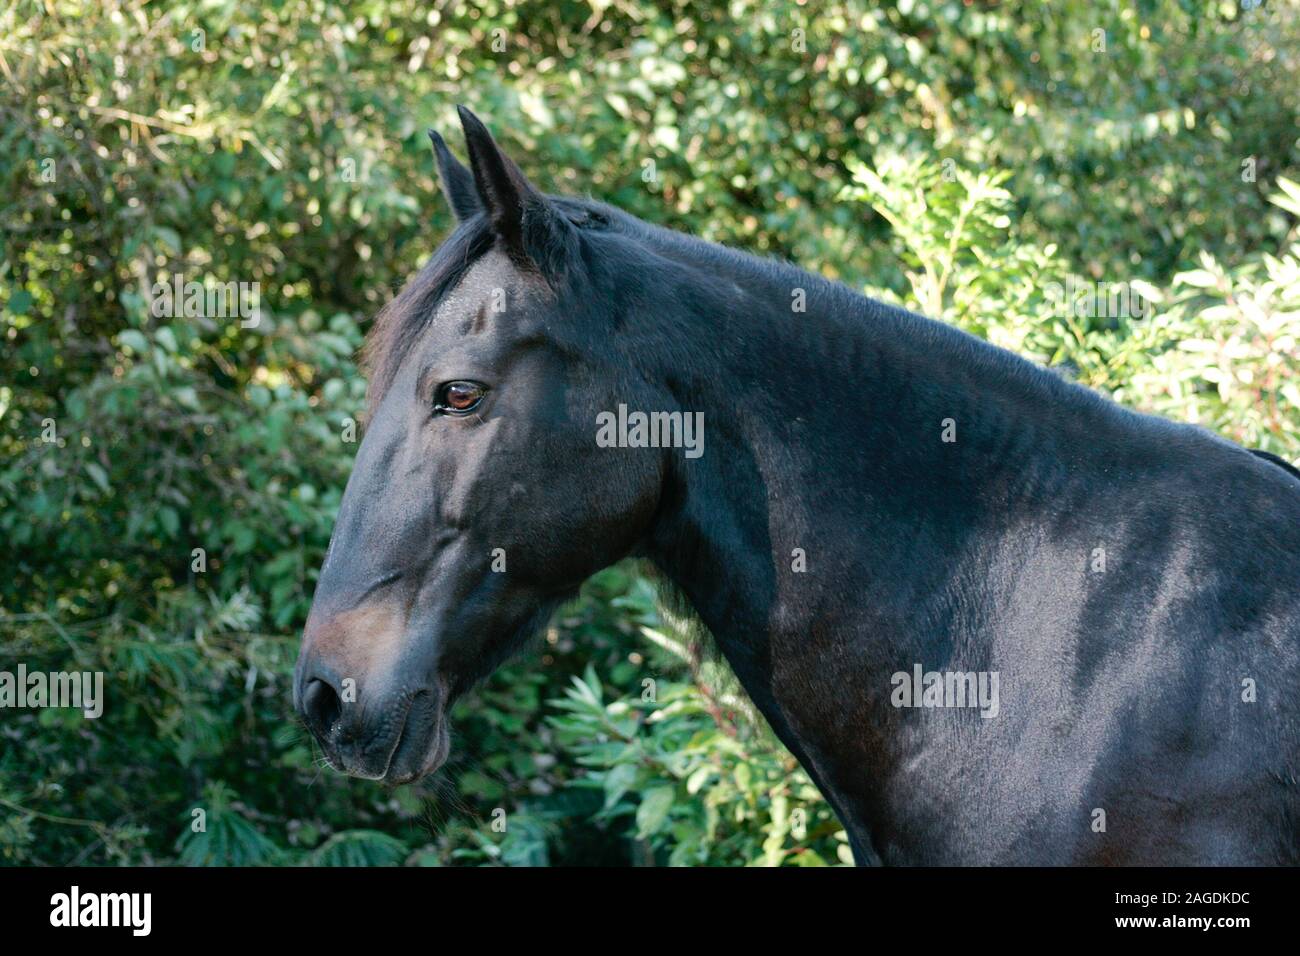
[[359, 848], [98, 475], [134, 340], [1289, 197], [653, 811]]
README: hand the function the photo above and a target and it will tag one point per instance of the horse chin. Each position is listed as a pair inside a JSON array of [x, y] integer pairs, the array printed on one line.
[[420, 751]]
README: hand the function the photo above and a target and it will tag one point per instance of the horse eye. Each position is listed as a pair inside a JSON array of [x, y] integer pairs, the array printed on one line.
[[458, 397]]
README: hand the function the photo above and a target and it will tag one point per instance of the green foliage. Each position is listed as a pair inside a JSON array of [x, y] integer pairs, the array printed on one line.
[[358, 848], [970, 160], [694, 784], [1226, 353], [224, 837], [1217, 347]]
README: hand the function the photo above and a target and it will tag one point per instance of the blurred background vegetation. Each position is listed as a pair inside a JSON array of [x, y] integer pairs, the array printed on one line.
[[962, 157]]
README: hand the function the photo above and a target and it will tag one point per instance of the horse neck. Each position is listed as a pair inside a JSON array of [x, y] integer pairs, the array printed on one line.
[[827, 518], [824, 445]]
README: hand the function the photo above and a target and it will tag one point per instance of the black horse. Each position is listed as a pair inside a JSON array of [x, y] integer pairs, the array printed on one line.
[[998, 618]]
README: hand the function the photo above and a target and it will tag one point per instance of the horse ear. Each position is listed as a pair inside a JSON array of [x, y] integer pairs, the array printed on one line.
[[506, 195], [457, 181]]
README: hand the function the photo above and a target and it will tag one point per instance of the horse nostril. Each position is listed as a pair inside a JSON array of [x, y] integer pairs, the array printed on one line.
[[321, 707]]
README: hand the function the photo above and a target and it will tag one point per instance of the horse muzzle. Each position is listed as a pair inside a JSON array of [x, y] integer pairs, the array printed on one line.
[[396, 737]]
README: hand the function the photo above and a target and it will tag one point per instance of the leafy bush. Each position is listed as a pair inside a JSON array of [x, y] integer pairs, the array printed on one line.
[[1218, 347], [698, 786]]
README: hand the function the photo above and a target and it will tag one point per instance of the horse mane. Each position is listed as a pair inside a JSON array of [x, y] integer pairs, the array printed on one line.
[[845, 312], [1275, 459]]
